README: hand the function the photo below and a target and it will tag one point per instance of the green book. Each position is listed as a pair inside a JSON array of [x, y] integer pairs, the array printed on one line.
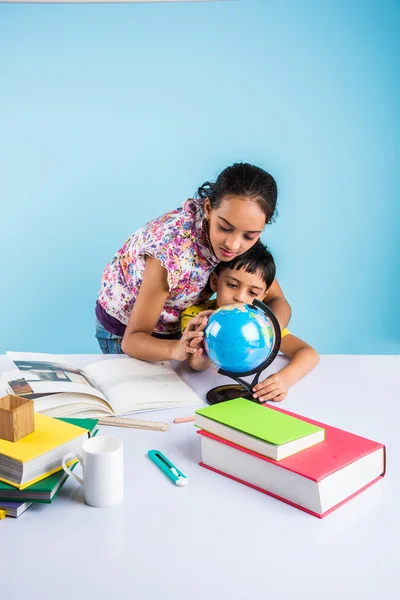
[[259, 428], [48, 488]]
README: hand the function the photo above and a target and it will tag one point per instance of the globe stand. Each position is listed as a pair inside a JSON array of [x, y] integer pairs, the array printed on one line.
[[222, 393]]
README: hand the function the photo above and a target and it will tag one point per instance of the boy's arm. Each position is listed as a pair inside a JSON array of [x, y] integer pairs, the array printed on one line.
[[278, 304], [303, 359]]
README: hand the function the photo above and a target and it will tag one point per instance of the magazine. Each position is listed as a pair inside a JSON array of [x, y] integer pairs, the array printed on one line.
[[113, 387]]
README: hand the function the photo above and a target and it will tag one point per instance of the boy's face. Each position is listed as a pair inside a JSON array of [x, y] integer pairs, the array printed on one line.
[[233, 286]]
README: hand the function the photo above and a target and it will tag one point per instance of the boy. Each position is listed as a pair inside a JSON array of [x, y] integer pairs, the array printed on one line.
[[242, 279]]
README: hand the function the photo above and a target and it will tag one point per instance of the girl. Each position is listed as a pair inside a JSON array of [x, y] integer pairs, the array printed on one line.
[[164, 267]]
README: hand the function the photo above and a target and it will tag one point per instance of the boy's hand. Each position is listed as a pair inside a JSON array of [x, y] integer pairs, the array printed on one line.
[[196, 343], [188, 344], [274, 388], [191, 342], [199, 360]]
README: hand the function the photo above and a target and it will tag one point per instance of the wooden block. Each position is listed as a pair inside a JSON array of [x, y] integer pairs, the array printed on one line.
[[16, 417]]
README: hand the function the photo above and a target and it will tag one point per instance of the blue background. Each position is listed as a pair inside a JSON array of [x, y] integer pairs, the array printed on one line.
[[112, 114]]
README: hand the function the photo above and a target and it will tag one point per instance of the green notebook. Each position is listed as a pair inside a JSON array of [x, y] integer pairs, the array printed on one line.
[[259, 428], [46, 489]]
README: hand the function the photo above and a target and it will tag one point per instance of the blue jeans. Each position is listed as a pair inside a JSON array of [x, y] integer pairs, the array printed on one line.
[[111, 344], [108, 342]]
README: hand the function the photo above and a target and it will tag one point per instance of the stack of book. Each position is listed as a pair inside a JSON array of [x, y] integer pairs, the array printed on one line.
[[30, 469], [310, 465]]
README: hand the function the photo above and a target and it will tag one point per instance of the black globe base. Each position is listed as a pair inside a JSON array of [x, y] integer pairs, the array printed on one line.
[[222, 393]]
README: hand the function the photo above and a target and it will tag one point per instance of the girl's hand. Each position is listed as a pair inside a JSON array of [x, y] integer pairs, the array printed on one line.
[[197, 342], [191, 342], [274, 388], [199, 360]]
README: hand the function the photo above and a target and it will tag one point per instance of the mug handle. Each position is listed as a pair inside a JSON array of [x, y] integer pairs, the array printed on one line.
[[67, 458]]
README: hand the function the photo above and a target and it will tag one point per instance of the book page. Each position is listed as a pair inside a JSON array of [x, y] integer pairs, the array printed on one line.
[[76, 400], [132, 385], [39, 374], [72, 405], [57, 368], [34, 384]]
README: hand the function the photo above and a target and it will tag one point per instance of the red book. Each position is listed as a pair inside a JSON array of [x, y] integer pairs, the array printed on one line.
[[317, 480]]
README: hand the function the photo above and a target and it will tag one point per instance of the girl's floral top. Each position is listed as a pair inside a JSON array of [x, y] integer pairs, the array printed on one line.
[[179, 239]]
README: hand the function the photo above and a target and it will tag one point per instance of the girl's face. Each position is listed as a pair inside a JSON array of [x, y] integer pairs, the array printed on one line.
[[234, 226]]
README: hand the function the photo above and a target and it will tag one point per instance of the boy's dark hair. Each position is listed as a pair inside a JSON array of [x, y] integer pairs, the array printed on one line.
[[243, 179], [257, 259]]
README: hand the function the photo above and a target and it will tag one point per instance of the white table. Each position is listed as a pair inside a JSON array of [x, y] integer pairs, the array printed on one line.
[[216, 538]]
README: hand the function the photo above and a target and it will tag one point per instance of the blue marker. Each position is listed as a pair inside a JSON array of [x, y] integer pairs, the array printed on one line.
[[168, 468]]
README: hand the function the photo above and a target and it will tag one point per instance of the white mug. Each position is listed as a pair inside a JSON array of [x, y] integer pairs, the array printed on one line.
[[102, 470]]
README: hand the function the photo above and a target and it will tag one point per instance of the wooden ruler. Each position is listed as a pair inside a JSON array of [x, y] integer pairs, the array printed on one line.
[[134, 423]]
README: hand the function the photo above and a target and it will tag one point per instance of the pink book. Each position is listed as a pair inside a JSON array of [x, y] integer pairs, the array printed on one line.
[[317, 480]]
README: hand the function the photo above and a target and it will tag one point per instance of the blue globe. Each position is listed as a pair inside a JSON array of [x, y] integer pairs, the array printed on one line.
[[239, 337]]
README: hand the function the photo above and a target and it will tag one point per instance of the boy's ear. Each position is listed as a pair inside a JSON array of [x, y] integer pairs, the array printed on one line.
[[213, 281]]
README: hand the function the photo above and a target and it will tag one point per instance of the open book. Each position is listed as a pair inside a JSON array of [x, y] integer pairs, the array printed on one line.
[[117, 386]]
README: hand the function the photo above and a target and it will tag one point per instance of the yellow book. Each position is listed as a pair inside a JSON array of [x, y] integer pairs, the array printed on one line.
[[39, 454]]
